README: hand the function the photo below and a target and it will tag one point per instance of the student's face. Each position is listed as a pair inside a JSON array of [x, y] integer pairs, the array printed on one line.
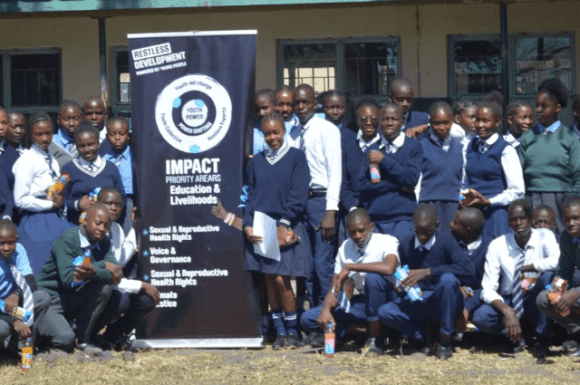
[[16, 130], [96, 113], [118, 135], [391, 122], [403, 97], [69, 118], [441, 122], [273, 133], [8, 239], [334, 108], [522, 121], [368, 120], [87, 146], [486, 123], [114, 203], [543, 219], [466, 119], [571, 216], [284, 104], [3, 124], [97, 224], [458, 228], [41, 134], [304, 104], [547, 109], [264, 106], [425, 229], [519, 222], [360, 231]]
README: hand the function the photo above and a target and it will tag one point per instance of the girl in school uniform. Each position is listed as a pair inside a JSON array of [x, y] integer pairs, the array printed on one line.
[[550, 152], [265, 101], [88, 172], [520, 120], [278, 180], [493, 173], [42, 220], [442, 166], [463, 127]]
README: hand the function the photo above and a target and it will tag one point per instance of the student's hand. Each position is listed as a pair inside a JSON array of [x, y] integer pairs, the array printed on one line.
[[414, 131], [57, 200], [374, 157], [84, 272], [466, 294], [327, 224], [476, 200], [281, 232], [341, 279], [255, 239], [567, 299], [531, 282], [513, 330], [22, 329], [415, 276], [219, 211], [324, 318], [133, 213], [85, 203], [115, 270], [150, 291], [11, 302]]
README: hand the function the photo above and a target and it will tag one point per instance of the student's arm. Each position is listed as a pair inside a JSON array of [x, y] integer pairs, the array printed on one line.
[[24, 171], [457, 263], [296, 202], [248, 209], [386, 267], [513, 330], [347, 198], [64, 250], [6, 196], [551, 251], [514, 176], [332, 152], [492, 274], [330, 302], [31, 281], [102, 273], [566, 262], [405, 173]]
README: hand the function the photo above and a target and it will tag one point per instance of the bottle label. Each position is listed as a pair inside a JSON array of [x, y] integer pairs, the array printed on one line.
[[329, 344], [26, 361]]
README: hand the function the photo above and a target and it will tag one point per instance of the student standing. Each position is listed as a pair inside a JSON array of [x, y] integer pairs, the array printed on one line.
[[334, 106], [96, 113], [16, 131], [284, 103], [63, 146], [402, 94], [520, 120]]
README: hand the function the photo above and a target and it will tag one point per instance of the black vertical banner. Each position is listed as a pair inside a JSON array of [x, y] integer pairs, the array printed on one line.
[[190, 97]]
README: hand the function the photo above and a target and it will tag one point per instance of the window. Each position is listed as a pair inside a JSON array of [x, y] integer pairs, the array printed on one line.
[[30, 80], [475, 63], [120, 91], [357, 66]]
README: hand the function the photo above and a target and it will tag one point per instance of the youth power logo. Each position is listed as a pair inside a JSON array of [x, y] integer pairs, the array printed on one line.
[[193, 113]]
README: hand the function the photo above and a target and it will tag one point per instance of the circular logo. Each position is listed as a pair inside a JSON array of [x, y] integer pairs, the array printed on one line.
[[193, 113]]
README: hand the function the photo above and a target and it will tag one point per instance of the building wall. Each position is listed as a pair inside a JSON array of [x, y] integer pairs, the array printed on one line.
[[423, 30]]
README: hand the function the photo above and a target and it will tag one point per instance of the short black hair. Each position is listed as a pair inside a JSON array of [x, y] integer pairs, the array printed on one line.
[[400, 82], [425, 211], [266, 93], [365, 101], [284, 88], [107, 190], [69, 103], [6, 224], [274, 116], [392, 106], [573, 201], [524, 205], [358, 214], [461, 105], [85, 127], [473, 217], [437, 106], [37, 118], [555, 89], [328, 94], [513, 107]]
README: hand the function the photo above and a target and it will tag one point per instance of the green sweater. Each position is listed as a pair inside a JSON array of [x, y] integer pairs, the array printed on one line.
[[551, 162], [57, 273]]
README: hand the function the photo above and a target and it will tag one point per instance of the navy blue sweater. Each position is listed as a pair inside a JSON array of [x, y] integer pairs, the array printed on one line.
[[484, 171], [279, 190], [6, 195], [445, 256], [414, 119], [9, 157], [393, 198], [442, 171], [478, 259]]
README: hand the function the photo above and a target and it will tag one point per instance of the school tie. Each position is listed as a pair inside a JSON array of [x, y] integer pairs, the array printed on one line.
[[297, 134], [49, 162], [389, 148], [91, 167], [517, 294], [463, 246], [118, 160], [72, 149], [28, 301], [482, 146]]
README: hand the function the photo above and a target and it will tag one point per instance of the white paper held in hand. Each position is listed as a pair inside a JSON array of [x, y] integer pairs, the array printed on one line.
[[265, 227]]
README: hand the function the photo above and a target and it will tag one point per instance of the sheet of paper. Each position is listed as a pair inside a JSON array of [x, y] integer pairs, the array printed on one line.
[[265, 227]]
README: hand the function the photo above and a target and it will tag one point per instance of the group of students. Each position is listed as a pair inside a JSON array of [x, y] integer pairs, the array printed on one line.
[[67, 256], [441, 192]]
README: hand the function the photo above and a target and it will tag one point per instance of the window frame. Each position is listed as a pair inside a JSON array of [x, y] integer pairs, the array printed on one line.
[[6, 55], [117, 108]]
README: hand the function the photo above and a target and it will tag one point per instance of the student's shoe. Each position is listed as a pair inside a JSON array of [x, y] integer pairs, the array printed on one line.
[[541, 348], [443, 351], [375, 346], [519, 346], [280, 342], [292, 341], [90, 349], [316, 340], [570, 346]]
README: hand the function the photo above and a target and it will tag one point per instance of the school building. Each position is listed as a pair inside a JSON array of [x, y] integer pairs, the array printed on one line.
[[52, 50]]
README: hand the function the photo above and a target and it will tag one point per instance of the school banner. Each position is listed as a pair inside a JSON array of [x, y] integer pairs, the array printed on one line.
[[190, 97]]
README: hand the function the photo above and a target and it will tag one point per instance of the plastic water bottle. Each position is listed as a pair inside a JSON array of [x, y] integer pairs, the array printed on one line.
[[375, 173], [27, 355], [413, 292], [556, 291], [81, 260], [19, 312], [329, 339], [58, 186], [93, 195]]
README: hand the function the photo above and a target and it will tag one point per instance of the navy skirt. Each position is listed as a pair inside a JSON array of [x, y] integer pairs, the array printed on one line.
[[37, 231], [295, 261], [496, 221]]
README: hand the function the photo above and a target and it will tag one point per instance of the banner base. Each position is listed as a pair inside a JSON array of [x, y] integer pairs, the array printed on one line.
[[204, 343]]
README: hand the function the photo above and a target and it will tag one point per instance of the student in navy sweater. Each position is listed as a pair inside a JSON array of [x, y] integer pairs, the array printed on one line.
[[391, 202], [402, 94], [354, 149], [442, 166], [278, 180], [334, 105], [8, 155], [493, 173], [439, 267], [88, 172]]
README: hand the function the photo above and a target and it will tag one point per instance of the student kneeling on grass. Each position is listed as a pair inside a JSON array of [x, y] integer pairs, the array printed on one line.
[[364, 252]]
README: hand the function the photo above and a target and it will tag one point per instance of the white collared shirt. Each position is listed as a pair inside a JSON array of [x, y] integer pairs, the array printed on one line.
[[437, 140], [513, 141], [86, 166], [514, 175], [395, 144], [474, 245], [323, 150], [542, 251], [427, 245], [32, 177], [123, 247], [376, 250], [363, 144], [457, 132]]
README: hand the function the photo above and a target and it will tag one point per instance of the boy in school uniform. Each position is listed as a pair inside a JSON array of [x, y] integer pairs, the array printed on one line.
[[524, 253], [544, 218], [96, 112], [8, 155], [63, 146], [320, 141], [439, 267], [117, 149], [284, 103], [402, 94], [363, 253], [16, 130]]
